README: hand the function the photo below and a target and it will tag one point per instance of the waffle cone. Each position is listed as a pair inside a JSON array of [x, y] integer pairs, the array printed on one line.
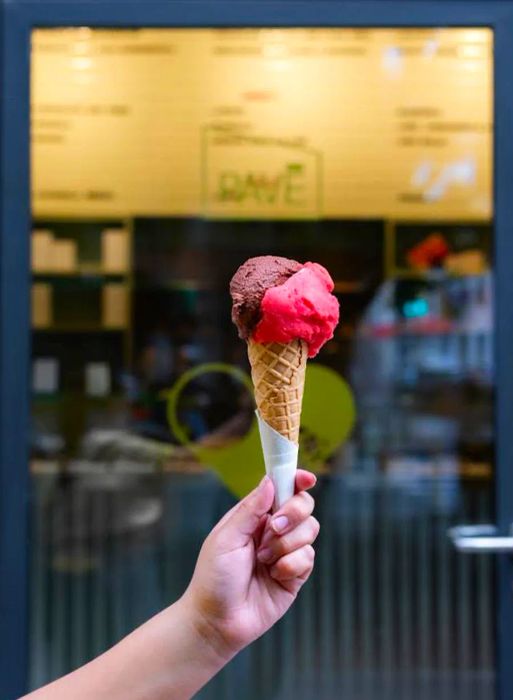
[[278, 373]]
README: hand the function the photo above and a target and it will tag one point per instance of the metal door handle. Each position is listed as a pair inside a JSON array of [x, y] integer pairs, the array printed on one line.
[[480, 538]]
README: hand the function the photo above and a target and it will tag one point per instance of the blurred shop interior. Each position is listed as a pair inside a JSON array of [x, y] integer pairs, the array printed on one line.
[[161, 160]]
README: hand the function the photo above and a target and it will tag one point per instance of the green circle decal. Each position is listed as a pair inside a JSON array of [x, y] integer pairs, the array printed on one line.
[[173, 395], [327, 417], [326, 420]]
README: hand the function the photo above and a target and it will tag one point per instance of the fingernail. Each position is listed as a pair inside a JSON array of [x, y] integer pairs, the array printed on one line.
[[280, 523], [264, 555]]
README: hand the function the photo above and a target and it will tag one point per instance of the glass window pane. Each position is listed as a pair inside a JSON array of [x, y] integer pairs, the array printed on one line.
[[161, 160]]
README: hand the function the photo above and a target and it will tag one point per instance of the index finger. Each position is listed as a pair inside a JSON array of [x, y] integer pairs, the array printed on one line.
[[304, 480]]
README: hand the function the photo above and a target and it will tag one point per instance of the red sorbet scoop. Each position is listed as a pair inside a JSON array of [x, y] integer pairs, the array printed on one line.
[[302, 307]]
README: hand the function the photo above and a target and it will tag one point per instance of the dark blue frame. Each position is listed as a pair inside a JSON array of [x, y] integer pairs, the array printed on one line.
[[16, 22]]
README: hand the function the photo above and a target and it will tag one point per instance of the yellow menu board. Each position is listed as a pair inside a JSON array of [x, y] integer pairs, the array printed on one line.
[[263, 123]]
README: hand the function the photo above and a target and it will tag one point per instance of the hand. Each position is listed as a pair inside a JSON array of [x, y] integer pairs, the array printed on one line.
[[252, 566], [248, 573]]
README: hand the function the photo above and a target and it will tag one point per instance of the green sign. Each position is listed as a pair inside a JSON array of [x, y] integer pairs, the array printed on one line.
[[287, 186]]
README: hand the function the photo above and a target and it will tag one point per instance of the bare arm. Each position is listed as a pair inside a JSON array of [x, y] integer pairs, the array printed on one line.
[[167, 658], [246, 578]]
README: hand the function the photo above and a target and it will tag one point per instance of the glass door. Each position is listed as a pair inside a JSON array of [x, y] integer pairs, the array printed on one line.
[[161, 160]]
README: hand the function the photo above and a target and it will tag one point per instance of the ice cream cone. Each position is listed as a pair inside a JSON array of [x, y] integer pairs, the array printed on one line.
[[285, 311], [278, 373]]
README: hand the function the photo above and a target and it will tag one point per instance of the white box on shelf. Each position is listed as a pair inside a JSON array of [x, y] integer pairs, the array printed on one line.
[[114, 305], [115, 254], [45, 375], [41, 305], [97, 379], [41, 243], [63, 255]]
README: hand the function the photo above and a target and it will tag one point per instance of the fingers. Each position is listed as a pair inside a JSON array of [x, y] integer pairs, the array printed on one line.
[[276, 547], [244, 521], [239, 525], [258, 533], [304, 480], [293, 512], [296, 565]]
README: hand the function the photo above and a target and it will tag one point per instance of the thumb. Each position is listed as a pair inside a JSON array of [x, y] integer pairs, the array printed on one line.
[[242, 522]]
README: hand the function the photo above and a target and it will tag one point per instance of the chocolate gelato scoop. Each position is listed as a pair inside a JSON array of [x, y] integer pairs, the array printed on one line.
[[250, 283]]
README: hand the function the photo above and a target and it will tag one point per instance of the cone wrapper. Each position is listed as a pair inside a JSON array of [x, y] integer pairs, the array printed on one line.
[[280, 457]]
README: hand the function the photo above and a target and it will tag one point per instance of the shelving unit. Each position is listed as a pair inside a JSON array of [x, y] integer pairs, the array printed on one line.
[[82, 328], [82, 272], [79, 329], [401, 235], [74, 259], [181, 277]]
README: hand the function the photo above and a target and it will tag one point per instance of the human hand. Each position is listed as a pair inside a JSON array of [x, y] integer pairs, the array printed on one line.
[[250, 570], [248, 573]]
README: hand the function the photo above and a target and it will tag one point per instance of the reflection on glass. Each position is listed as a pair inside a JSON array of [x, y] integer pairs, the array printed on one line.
[[368, 151]]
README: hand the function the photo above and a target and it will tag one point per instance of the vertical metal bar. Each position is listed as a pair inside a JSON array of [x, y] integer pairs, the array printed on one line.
[[57, 602], [257, 665], [116, 579], [385, 588], [405, 592], [14, 349], [443, 587], [323, 577], [79, 620], [130, 600], [99, 604], [464, 612], [266, 660], [346, 576], [485, 661], [288, 656], [424, 624], [306, 639], [38, 666], [503, 157], [366, 587]]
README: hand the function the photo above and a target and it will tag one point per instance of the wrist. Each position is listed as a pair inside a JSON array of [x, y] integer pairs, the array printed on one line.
[[209, 636]]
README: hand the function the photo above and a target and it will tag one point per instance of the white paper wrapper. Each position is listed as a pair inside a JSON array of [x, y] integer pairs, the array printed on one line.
[[280, 457]]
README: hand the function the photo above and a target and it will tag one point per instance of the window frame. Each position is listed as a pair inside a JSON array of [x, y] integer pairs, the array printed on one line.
[[17, 20]]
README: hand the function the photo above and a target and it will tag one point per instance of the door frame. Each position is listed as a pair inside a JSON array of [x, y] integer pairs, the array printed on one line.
[[17, 19]]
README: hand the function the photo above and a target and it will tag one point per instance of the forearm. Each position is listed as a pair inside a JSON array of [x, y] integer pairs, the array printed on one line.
[[168, 658], [233, 598]]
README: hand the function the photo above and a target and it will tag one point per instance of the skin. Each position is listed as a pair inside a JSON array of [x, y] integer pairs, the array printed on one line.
[[249, 571]]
